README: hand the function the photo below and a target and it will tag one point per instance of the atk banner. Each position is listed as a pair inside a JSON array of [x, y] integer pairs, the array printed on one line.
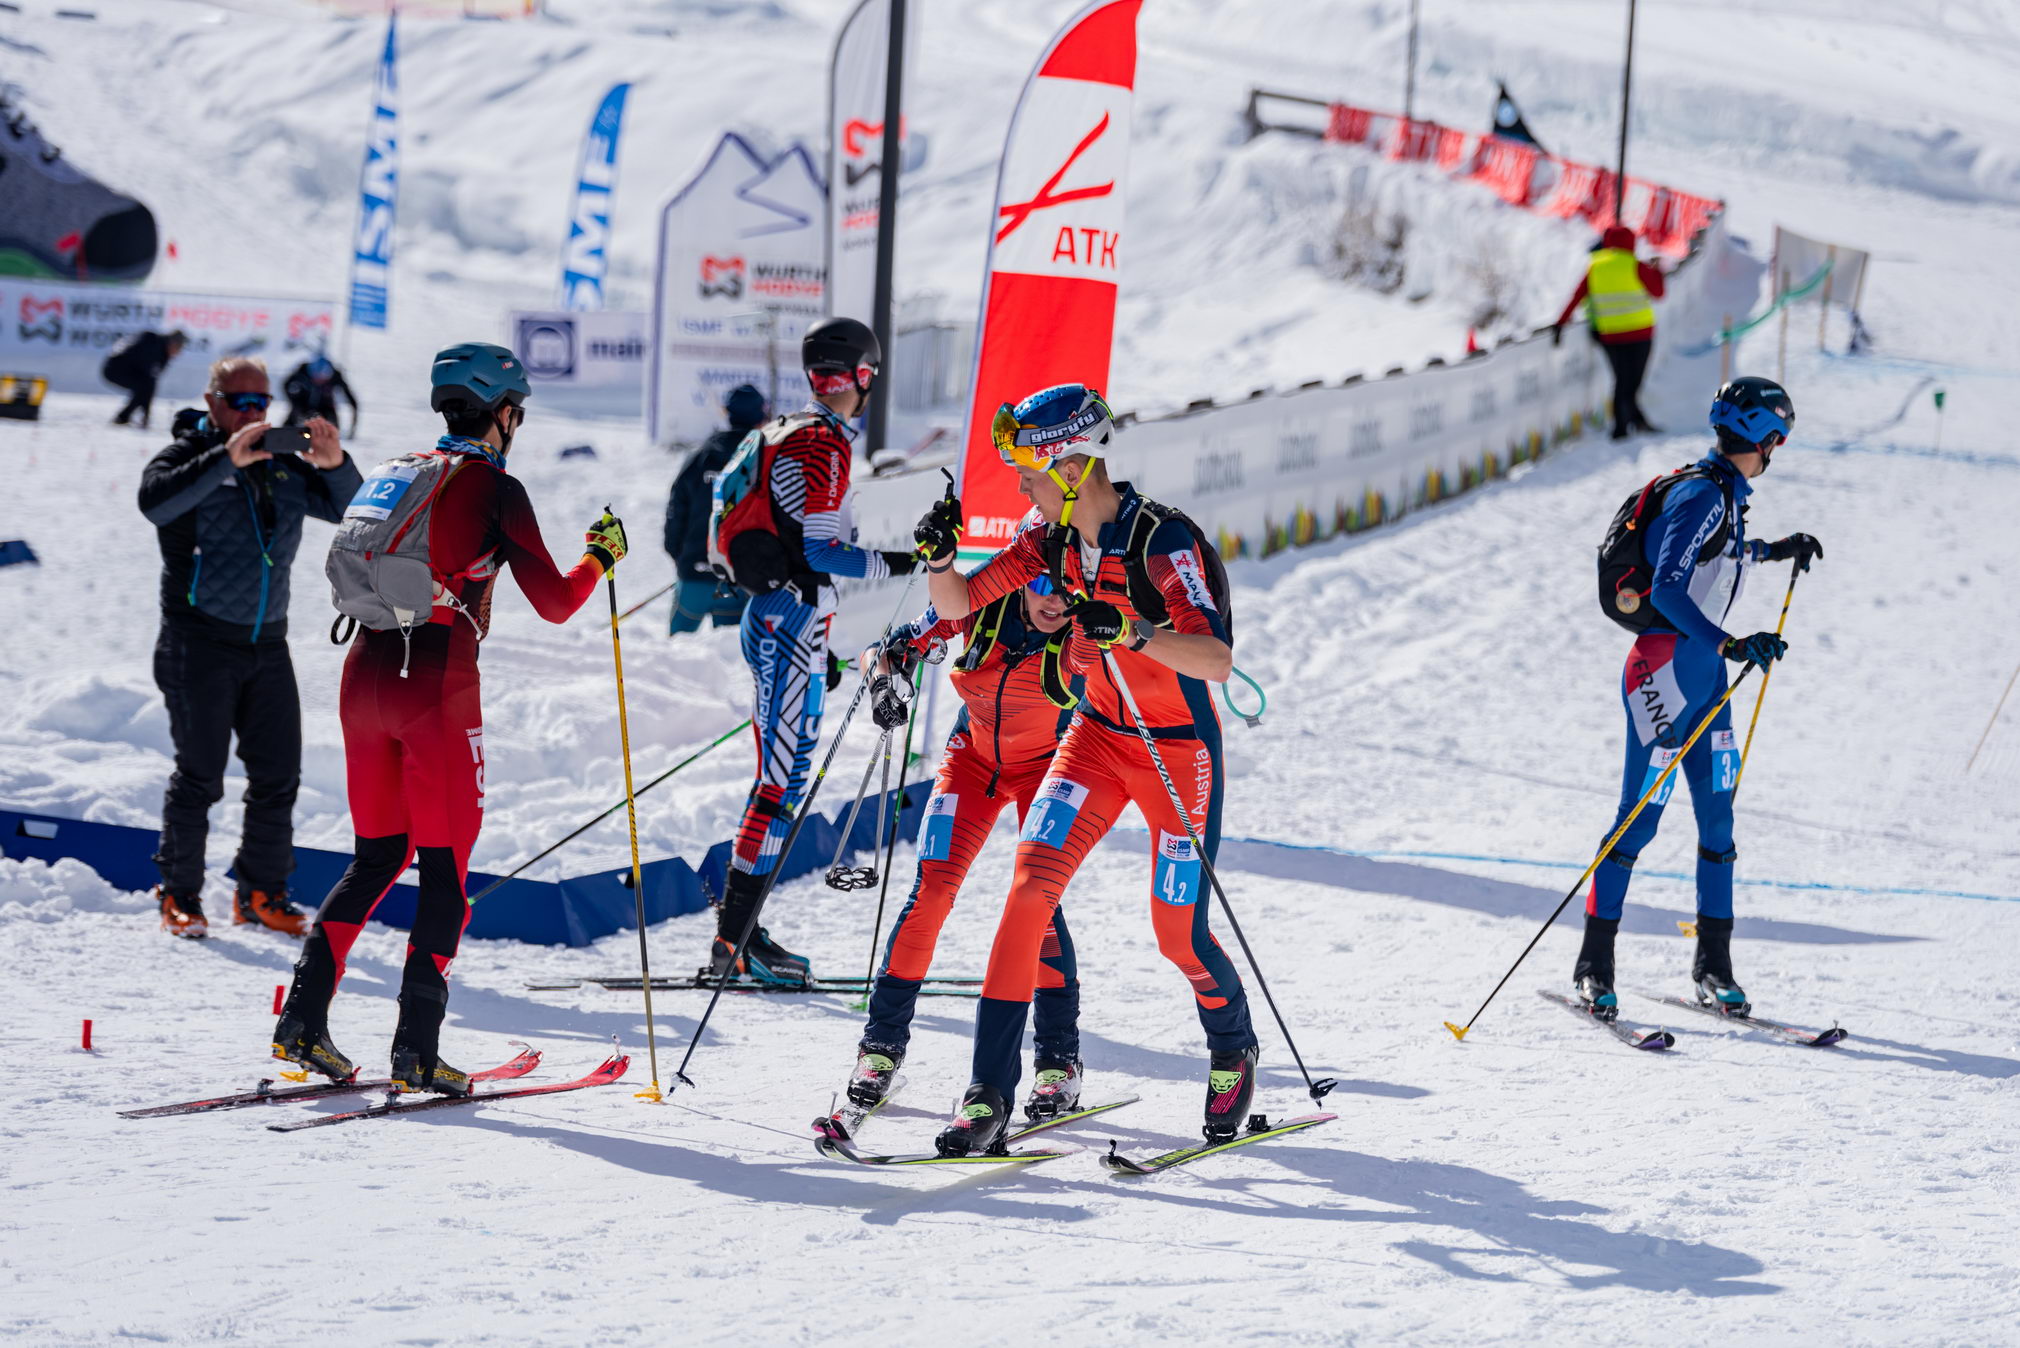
[[1055, 251], [740, 277], [378, 181], [583, 259], [856, 77], [63, 331]]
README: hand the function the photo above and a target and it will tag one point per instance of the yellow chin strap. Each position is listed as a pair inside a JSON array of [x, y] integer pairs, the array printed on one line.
[[1071, 493]]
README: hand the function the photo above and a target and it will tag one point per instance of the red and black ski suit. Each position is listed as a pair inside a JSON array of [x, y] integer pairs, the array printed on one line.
[[414, 746], [997, 754]]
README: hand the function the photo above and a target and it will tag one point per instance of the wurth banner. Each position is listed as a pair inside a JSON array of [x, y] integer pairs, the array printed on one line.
[[1055, 256], [583, 259], [740, 278], [856, 77], [372, 248]]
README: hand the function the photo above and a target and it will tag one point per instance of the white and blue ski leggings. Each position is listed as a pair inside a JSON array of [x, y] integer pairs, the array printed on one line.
[[1669, 683], [785, 643]]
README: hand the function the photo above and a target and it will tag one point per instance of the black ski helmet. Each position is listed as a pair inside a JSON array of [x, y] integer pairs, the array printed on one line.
[[841, 346], [1751, 413]]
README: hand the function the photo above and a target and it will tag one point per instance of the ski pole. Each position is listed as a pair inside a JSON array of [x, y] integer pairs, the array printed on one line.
[[1995, 718], [1317, 1089], [1459, 1031], [786, 849], [647, 600], [1765, 675], [523, 866], [631, 805], [890, 850], [861, 877]]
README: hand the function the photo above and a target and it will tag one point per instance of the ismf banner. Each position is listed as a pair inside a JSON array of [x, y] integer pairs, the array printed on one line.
[[63, 331], [584, 258], [378, 180], [1056, 246], [740, 277], [856, 78]]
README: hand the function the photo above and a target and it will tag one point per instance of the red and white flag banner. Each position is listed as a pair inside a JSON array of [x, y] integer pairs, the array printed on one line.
[[1055, 250]]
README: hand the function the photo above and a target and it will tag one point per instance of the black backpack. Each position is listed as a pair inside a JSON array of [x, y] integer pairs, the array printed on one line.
[[1143, 595], [1624, 574]]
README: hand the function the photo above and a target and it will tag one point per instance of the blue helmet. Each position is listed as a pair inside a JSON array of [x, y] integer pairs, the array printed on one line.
[[477, 377], [1752, 413], [1051, 424]]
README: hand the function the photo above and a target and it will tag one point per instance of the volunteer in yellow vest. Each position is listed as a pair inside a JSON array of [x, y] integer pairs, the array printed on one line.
[[1619, 293]]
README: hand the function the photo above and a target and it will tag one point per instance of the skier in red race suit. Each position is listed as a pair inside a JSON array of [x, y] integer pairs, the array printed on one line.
[[414, 727], [996, 755], [1145, 600]]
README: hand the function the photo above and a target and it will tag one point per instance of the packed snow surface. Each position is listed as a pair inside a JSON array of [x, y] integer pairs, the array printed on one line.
[[1439, 761]]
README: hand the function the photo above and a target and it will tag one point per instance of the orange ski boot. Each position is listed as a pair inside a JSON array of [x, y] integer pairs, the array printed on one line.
[[272, 910], [182, 914]]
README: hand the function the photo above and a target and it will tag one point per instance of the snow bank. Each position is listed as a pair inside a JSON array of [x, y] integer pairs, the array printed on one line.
[[34, 891]]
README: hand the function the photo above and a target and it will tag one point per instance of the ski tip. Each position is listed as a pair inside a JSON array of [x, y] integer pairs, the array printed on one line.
[[1458, 1032]]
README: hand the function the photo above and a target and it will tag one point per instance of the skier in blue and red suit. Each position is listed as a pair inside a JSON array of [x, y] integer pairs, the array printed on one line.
[[1697, 552]]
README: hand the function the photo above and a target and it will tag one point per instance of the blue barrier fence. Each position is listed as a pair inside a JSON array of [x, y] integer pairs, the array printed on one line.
[[572, 911]]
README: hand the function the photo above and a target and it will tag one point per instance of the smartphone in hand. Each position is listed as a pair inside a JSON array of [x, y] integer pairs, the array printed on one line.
[[286, 440]]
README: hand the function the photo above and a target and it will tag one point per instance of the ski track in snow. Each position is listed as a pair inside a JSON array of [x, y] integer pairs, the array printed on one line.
[[1439, 686]]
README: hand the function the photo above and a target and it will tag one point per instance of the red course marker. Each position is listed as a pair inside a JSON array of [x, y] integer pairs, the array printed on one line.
[[87, 1036], [278, 991]]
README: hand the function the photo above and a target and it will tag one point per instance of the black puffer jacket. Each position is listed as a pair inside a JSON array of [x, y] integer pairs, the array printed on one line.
[[229, 535]]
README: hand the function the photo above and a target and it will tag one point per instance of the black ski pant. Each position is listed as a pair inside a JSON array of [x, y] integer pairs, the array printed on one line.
[[139, 398], [215, 690], [1630, 362], [439, 918]]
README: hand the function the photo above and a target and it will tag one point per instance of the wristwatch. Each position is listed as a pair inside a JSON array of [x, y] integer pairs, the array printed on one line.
[[1141, 634]]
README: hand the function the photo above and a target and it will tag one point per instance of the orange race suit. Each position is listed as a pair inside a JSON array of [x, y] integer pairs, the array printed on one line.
[[997, 754], [1101, 766]]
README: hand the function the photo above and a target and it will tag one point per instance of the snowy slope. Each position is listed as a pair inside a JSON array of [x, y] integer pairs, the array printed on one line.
[[1439, 760]]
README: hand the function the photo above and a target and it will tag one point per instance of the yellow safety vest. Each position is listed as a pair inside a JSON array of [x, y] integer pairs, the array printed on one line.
[[1614, 296]]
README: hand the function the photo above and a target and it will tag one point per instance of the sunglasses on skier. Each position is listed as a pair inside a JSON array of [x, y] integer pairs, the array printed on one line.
[[1040, 585]]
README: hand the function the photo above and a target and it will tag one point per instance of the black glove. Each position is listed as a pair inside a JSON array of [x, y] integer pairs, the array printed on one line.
[[834, 672], [1099, 621], [1798, 548], [1556, 334], [901, 563], [890, 702], [1762, 648], [938, 532]]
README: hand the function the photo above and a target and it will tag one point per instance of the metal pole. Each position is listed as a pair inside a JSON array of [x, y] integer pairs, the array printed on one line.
[[1725, 352], [876, 425], [1626, 98], [1824, 300], [1410, 70], [1782, 347]]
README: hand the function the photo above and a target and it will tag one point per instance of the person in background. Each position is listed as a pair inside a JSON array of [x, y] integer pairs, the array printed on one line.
[[228, 511], [698, 592], [313, 388], [1619, 293], [135, 366]]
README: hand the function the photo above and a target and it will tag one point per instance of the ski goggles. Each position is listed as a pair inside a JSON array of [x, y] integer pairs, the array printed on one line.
[[1050, 425], [1039, 585], [828, 380], [247, 402]]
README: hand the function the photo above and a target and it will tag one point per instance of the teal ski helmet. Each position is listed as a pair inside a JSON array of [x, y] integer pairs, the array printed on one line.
[[477, 377]]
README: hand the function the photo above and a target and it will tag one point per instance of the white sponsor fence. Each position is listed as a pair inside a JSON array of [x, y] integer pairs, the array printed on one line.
[[63, 331]]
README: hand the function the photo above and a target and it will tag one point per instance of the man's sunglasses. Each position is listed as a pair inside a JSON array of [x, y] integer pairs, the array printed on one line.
[[247, 402]]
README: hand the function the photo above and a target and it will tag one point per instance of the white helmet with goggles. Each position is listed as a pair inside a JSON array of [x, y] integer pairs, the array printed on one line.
[[1053, 424]]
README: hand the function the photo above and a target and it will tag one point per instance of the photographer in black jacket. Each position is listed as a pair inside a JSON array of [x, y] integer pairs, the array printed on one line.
[[227, 499], [699, 593]]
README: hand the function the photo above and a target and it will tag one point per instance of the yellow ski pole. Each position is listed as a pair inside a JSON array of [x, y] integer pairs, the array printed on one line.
[[631, 810], [1459, 1031], [1765, 675]]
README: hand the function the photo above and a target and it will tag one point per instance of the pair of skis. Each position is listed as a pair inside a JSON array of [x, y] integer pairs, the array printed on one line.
[[265, 1094], [1661, 1040], [704, 981], [834, 1138]]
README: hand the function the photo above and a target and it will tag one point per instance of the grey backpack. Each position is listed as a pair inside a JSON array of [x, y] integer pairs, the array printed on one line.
[[378, 565]]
